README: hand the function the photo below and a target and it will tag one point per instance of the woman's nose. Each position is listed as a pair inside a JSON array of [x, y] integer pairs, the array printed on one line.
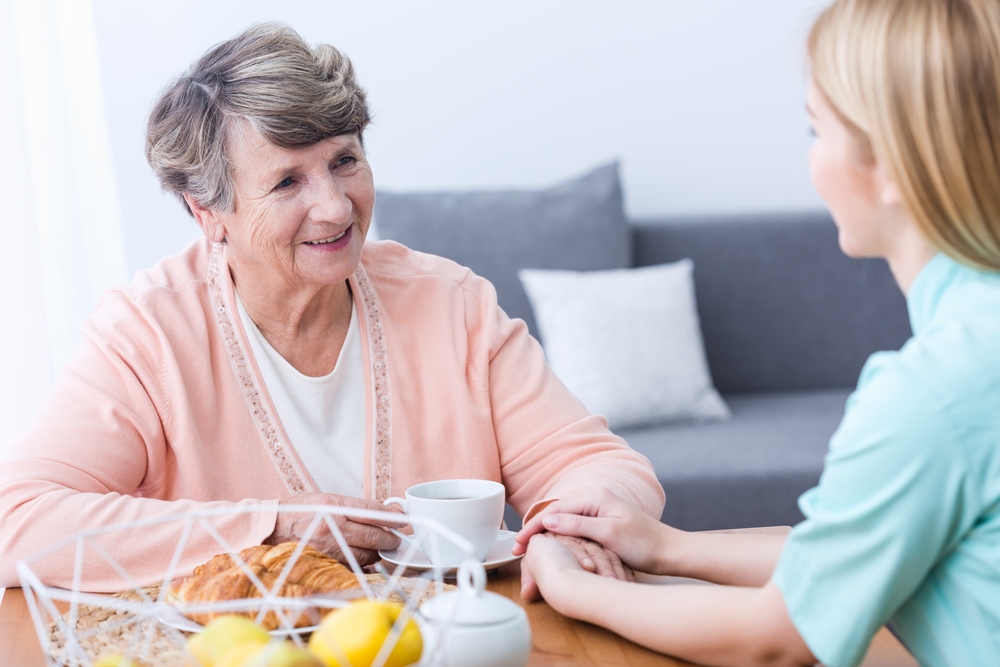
[[330, 202]]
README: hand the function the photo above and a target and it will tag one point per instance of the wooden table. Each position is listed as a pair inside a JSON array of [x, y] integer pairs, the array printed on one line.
[[558, 641], [561, 642]]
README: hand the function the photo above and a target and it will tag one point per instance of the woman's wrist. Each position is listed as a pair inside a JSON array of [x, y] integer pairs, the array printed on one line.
[[569, 592], [673, 551]]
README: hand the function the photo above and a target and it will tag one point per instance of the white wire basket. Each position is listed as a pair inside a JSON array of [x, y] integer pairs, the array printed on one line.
[[139, 622]]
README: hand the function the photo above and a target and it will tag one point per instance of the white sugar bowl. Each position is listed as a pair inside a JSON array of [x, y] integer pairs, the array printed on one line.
[[480, 628]]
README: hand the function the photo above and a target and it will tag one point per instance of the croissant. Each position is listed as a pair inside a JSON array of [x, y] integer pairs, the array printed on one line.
[[313, 568], [221, 578], [223, 562], [234, 584]]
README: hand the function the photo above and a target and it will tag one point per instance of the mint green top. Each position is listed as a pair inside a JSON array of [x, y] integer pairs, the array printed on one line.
[[904, 526]]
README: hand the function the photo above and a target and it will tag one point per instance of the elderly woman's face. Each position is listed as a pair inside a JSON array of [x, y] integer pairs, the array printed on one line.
[[301, 214]]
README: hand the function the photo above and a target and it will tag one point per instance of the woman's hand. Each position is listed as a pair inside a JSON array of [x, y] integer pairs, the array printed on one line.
[[639, 540], [551, 564], [364, 536], [590, 557]]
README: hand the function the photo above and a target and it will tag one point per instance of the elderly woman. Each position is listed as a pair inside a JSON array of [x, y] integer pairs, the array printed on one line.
[[283, 358]]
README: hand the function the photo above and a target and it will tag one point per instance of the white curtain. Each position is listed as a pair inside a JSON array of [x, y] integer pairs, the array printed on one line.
[[62, 244]]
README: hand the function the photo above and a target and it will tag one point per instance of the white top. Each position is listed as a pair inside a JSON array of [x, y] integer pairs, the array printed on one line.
[[324, 417]]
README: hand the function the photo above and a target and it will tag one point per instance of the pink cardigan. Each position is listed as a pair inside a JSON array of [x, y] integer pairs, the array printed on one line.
[[163, 410]]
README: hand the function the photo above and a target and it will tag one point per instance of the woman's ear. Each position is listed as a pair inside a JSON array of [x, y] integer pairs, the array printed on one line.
[[211, 226], [888, 191]]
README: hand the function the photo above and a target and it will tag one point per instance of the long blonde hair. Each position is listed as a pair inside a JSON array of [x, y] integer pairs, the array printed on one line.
[[918, 82]]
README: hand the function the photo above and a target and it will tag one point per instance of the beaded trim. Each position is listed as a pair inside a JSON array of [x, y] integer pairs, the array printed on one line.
[[380, 369], [262, 420]]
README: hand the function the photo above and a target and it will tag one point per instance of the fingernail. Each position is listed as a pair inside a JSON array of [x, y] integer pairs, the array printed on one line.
[[551, 521], [589, 564]]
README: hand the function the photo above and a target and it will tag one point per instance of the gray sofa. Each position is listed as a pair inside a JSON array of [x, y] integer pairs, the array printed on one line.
[[787, 322]]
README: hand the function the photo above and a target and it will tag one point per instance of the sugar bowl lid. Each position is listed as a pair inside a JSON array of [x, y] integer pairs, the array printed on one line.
[[471, 604]]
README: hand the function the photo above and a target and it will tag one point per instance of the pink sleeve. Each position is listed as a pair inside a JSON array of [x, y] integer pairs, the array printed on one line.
[[95, 447], [549, 443]]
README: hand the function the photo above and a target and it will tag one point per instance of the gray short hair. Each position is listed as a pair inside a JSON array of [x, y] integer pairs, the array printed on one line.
[[267, 78]]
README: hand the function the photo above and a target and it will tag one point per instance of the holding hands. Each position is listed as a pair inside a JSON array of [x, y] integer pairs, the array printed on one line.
[[637, 539], [592, 531], [585, 555], [603, 521]]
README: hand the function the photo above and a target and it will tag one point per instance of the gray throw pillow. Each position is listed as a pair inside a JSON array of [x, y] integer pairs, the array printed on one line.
[[579, 225]]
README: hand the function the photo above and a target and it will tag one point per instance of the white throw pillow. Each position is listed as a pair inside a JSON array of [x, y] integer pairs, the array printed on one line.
[[627, 342]]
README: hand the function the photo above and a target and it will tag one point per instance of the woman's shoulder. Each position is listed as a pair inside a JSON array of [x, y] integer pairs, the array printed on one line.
[[940, 387], [174, 271], [956, 317], [955, 312], [957, 356], [167, 293], [431, 291], [393, 263], [946, 368]]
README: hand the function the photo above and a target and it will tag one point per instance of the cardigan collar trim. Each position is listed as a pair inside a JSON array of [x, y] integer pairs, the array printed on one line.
[[296, 479]]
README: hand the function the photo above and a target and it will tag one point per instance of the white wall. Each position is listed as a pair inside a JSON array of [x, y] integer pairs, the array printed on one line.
[[63, 243], [701, 101]]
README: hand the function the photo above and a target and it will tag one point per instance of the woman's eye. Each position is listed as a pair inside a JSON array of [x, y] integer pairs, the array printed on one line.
[[285, 183], [347, 159]]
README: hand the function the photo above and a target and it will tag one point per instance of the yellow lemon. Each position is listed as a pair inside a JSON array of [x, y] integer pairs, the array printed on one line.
[[241, 655], [285, 654], [356, 633], [223, 635], [115, 660]]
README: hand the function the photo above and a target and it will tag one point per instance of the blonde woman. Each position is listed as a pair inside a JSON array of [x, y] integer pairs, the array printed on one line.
[[904, 527]]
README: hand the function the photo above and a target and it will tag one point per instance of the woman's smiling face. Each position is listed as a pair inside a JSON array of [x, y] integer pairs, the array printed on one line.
[[301, 215]]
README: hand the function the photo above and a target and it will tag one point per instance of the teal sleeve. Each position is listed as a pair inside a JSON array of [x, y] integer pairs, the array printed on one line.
[[894, 496]]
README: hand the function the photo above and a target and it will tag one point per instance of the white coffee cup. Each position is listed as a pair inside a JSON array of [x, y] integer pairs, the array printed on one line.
[[472, 508]]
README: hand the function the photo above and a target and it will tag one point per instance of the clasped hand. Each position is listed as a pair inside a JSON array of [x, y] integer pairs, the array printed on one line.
[[364, 537], [605, 534]]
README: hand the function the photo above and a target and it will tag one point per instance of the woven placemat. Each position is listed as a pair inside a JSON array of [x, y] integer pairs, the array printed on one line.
[[119, 631]]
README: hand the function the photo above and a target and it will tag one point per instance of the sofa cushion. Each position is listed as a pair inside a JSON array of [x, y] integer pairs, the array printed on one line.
[[781, 306], [748, 471], [578, 225], [626, 342]]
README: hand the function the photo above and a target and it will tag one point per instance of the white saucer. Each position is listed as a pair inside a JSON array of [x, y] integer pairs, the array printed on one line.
[[499, 555], [175, 619]]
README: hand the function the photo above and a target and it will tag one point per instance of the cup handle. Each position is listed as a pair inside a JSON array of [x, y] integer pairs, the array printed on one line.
[[406, 538]]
